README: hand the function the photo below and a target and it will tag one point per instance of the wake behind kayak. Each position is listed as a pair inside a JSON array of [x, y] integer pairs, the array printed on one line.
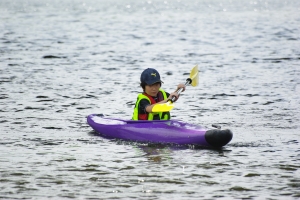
[[159, 131]]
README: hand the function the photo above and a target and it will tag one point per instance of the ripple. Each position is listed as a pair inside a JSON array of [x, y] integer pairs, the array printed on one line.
[[252, 175], [240, 189], [53, 57]]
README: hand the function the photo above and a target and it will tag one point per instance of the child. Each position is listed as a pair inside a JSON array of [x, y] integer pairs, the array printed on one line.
[[151, 83]]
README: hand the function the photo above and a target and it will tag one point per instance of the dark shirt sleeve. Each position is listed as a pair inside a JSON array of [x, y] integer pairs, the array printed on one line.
[[142, 106]]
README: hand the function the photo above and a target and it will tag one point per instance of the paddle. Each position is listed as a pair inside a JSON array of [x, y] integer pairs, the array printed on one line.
[[193, 80]]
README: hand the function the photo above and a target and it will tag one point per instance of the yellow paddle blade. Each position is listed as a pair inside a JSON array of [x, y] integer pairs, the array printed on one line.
[[194, 76], [163, 107]]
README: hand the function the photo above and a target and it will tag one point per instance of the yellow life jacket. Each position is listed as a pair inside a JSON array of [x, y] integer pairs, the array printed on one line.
[[162, 115]]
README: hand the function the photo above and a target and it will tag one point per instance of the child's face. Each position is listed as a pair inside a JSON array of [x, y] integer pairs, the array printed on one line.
[[153, 89]]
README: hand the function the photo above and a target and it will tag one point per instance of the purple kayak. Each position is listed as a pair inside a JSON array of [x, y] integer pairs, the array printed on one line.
[[158, 131]]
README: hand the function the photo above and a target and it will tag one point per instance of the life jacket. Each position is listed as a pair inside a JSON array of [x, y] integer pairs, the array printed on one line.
[[150, 116]]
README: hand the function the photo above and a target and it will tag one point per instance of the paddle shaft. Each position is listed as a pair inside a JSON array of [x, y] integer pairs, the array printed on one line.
[[166, 107], [188, 81]]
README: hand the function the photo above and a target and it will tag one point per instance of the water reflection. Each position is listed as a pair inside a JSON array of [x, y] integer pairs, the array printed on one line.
[[156, 152]]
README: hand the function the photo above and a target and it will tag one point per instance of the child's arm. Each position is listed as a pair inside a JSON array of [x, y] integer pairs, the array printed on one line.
[[174, 94], [180, 85]]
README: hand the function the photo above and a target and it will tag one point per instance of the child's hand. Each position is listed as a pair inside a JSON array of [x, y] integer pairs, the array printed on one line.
[[174, 94], [181, 85]]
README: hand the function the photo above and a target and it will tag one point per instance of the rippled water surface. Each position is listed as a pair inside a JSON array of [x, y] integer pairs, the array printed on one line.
[[61, 61]]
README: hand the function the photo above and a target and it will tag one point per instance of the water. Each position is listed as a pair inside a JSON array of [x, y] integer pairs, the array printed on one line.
[[61, 61]]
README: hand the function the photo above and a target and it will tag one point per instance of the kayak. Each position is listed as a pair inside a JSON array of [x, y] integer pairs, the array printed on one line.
[[159, 131]]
